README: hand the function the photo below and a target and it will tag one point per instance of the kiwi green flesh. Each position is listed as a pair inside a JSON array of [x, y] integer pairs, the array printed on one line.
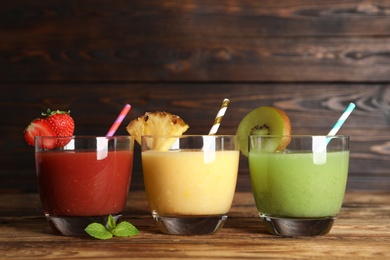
[[261, 121]]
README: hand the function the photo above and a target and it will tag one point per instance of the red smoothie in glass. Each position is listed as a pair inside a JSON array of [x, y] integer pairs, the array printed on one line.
[[78, 184]]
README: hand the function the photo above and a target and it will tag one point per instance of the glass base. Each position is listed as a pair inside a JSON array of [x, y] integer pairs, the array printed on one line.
[[74, 226], [292, 227], [189, 225]]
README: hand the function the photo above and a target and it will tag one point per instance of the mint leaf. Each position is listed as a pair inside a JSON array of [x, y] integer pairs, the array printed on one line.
[[98, 231], [111, 224], [125, 229]]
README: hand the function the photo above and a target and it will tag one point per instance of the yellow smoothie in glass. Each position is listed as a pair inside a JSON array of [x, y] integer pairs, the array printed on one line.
[[189, 182]]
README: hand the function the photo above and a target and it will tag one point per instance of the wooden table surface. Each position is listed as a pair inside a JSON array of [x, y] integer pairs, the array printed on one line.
[[361, 231]]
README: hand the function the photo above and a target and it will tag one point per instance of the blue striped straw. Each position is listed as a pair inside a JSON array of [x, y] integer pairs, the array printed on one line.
[[340, 121], [319, 144]]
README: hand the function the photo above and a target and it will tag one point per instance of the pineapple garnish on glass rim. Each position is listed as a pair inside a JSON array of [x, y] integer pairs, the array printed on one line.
[[157, 123]]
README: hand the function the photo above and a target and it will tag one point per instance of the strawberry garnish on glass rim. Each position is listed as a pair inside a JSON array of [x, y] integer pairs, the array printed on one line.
[[40, 127], [62, 124], [55, 123]]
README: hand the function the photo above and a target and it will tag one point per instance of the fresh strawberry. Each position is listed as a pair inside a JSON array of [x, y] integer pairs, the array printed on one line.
[[62, 124], [40, 127]]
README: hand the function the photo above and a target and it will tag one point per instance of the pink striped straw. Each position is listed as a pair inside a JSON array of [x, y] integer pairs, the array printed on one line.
[[118, 120]]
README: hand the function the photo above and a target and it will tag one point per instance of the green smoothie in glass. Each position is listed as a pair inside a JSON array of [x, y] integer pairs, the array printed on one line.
[[295, 185], [291, 185]]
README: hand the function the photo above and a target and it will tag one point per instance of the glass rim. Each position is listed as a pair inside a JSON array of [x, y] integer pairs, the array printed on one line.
[[84, 137], [302, 136], [186, 136]]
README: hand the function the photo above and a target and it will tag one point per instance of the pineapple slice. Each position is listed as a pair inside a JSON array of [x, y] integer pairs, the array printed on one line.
[[157, 123]]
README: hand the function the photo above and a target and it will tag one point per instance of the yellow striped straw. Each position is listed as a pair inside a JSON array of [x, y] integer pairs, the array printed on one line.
[[218, 118]]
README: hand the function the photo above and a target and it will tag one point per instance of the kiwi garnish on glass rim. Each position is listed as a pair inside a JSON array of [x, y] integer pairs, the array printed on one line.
[[265, 120]]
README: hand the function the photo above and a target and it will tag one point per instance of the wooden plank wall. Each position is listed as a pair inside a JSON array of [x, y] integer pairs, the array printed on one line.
[[310, 58]]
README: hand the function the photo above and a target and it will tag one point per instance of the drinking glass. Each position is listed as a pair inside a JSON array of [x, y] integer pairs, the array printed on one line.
[[83, 182], [299, 191], [190, 181]]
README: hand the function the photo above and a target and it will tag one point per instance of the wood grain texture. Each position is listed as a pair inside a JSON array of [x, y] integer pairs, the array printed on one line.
[[202, 17], [191, 59], [91, 57], [195, 41], [361, 231], [312, 108]]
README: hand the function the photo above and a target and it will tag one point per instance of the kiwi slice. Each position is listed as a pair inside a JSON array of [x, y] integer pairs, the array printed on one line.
[[265, 120]]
